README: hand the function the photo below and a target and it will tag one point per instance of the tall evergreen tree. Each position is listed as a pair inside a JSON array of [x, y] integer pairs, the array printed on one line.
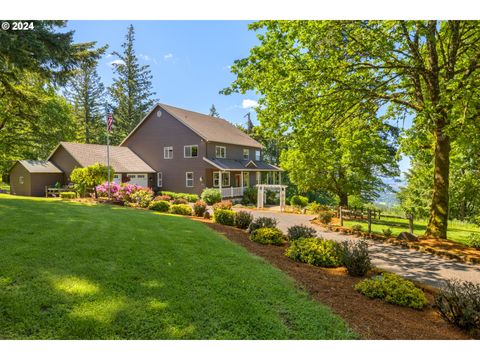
[[86, 93], [131, 92], [213, 111]]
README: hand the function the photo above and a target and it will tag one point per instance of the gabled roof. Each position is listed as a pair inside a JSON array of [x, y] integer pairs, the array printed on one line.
[[210, 128], [122, 159], [241, 165], [40, 166]]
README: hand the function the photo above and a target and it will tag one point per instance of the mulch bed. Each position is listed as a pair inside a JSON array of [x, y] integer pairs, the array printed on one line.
[[371, 319], [440, 247]]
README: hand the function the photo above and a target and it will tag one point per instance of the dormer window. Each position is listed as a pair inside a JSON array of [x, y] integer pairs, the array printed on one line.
[[246, 154], [220, 152], [257, 155]]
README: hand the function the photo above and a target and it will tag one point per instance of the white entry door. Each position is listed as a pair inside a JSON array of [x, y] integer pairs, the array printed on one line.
[[138, 179]]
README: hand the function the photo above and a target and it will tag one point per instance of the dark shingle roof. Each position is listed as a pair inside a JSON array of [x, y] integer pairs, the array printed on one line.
[[122, 159], [40, 166], [244, 165]]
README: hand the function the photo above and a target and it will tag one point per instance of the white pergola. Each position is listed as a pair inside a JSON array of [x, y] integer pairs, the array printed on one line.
[[261, 194]]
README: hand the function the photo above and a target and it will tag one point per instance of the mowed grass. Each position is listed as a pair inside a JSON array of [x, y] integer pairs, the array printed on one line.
[[75, 271], [457, 231]]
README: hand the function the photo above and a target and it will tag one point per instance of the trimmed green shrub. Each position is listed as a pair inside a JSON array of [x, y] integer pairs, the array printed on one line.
[[393, 289], [316, 208], [160, 205], [356, 258], [211, 196], [300, 232], [224, 217], [188, 197], [162, 198], [268, 236], [223, 205], [262, 222], [300, 201], [387, 232], [474, 240], [249, 196], [459, 303], [325, 217], [316, 251], [181, 209], [179, 200], [243, 219], [68, 195], [199, 208]]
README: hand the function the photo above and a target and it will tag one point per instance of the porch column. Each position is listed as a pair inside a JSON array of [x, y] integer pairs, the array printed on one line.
[[241, 182], [220, 183], [280, 178], [259, 180]]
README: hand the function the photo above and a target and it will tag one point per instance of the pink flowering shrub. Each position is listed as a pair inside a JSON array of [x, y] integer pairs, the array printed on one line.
[[125, 193]]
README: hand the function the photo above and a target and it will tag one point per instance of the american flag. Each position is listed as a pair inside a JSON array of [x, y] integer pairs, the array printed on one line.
[[109, 122]]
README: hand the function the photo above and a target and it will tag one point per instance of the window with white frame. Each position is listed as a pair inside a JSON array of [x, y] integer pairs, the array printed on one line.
[[190, 151], [220, 152], [257, 155], [159, 179], [21, 180], [246, 154], [168, 152], [189, 179], [225, 179]]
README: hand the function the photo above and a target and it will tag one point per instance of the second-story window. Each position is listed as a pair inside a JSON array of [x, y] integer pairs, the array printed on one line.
[[190, 151], [168, 152], [220, 152], [257, 155], [246, 154]]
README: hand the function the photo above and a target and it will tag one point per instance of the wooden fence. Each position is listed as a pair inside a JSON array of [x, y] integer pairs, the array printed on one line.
[[369, 215]]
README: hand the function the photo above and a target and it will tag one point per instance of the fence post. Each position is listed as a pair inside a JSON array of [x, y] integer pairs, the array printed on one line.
[[410, 223], [341, 216], [369, 221]]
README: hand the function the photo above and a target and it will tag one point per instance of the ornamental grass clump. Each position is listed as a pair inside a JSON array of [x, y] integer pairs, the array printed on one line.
[[243, 219], [325, 217], [316, 251], [300, 232], [223, 205], [267, 236], [393, 289], [459, 303]]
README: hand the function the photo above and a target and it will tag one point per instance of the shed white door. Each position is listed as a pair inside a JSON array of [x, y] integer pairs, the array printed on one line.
[[138, 179]]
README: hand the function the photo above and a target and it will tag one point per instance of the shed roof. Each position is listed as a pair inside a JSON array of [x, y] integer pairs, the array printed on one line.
[[40, 166], [122, 159], [208, 127]]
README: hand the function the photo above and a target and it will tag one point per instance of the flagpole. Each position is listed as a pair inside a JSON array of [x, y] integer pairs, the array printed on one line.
[[108, 158]]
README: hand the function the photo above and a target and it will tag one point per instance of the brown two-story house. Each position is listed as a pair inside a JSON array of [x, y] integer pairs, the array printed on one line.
[[170, 149]]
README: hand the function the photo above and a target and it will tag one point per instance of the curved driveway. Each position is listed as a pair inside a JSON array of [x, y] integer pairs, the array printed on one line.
[[425, 268]]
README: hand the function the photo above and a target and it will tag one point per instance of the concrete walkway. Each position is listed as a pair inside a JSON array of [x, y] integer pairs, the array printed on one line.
[[425, 268]]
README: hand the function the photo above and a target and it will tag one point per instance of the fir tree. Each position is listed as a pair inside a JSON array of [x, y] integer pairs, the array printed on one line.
[[213, 111], [131, 92]]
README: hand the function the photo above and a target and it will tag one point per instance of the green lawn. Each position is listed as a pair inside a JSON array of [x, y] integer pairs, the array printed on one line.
[[457, 231], [74, 271]]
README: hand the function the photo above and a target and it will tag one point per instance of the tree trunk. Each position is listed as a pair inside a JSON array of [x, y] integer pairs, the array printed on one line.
[[438, 221], [343, 199]]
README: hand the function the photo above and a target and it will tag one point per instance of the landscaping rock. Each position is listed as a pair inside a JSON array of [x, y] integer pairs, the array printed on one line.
[[407, 236]]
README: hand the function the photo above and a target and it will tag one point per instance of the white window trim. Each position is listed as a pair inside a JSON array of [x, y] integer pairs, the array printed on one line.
[[186, 179], [167, 149], [247, 153], [224, 152], [225, 175], [189, 146], [159, 179], [258, 155], [21, 180]]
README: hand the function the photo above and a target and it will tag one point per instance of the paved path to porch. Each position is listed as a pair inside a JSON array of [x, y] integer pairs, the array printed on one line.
[[422, 267]]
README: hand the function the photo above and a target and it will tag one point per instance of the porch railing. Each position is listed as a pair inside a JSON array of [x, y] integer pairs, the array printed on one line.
[[231, 192]]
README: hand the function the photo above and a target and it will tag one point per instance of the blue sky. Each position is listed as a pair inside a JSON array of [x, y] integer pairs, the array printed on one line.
[[189, 60]]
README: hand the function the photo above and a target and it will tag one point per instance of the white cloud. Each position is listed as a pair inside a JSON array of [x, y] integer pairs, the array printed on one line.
[[249, 103], [147, 58], [167, 56], [117, 62]]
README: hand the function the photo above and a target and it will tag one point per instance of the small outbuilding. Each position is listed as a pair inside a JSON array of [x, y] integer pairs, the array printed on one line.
[[30, 177]]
